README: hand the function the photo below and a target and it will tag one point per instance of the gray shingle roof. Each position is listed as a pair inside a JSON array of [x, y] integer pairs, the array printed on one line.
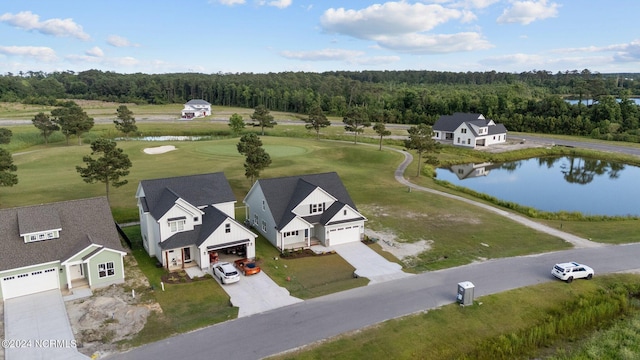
[[197, 102], [283, 194], [451, 122], [197, 190], [82, 222]]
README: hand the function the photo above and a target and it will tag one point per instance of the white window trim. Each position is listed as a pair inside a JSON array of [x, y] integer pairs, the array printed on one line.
[[107, 268]]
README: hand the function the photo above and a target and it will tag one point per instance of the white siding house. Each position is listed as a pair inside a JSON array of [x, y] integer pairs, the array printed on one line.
[[186, 220], [195, 109], [468, 130], [300, 211]]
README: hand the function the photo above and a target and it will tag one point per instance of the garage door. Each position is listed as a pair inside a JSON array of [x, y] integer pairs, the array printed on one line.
[[344, 235], [29, 283]]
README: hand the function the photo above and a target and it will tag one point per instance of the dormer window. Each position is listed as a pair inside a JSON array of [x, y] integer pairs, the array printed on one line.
[[177, 224], [41, 236], [316, 208]]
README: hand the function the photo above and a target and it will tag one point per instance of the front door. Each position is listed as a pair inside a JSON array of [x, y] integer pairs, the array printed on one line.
[[186, 254], [76, 272]]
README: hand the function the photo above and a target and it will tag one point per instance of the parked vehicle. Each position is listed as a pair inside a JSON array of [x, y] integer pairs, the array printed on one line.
[[247, 267], [226, 272], [572, 270]]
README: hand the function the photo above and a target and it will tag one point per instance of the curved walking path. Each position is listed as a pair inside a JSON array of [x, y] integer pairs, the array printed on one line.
[[577, 241]]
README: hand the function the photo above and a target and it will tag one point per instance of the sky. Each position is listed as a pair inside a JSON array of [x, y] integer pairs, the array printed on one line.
[[262, 36]]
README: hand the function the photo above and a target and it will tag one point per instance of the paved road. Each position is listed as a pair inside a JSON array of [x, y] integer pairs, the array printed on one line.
[[609, 147]]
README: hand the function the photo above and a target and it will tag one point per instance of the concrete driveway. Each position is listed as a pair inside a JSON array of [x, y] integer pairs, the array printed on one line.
[[257, 293], [369, 263], [37, 327]]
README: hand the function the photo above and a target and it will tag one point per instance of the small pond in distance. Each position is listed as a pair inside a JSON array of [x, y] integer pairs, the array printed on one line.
[[590, 186]]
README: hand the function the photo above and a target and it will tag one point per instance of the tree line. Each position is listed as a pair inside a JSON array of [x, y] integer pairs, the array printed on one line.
[[532, 101]]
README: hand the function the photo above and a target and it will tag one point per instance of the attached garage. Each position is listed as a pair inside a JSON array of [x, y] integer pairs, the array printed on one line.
[[29, 282], [343, 235]]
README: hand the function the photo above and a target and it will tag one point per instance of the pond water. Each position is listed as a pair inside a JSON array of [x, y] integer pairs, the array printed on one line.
[[590, 186]]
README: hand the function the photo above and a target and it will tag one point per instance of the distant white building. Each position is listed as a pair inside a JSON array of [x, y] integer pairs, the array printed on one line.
[[469, 130], [195, 109]]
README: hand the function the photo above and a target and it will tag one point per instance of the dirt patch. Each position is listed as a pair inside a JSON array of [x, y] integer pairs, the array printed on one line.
[[112, 313], [402, 250]]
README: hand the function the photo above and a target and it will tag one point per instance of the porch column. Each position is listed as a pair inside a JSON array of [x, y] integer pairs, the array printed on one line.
[[66, 272]]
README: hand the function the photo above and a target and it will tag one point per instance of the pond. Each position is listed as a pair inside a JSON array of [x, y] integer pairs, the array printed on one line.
[[590, 186]]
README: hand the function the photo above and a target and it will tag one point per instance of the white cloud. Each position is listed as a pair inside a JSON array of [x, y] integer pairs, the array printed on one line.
[[95, 52], [375, 60], [230, 2], [435, 44], [39, 53], [526, 12], [388, 19], [322, 55], [58, 27], [119, 41], [281, 4]]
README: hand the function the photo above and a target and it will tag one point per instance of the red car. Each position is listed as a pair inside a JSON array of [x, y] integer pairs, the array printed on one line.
[[247, 267]]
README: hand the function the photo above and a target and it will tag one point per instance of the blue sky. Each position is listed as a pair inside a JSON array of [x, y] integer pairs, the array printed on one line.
[[260, 36]]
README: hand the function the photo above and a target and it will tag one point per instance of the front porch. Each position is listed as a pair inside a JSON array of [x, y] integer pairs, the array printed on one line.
[[301, 245]]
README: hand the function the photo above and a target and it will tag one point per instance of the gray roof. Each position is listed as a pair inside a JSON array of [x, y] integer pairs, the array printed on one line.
[[451, 122], [198, 190], [197, 102], [285, 193], [83, 222]]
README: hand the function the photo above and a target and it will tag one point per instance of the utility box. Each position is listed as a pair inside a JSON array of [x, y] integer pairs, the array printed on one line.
[[465, 293]]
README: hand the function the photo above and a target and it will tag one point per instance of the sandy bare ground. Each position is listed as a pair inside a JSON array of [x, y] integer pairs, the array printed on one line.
[[159, 149], [111, 314]]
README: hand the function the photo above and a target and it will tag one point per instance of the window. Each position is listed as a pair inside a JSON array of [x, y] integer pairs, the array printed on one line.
[[176, 225], [255, 219], [464, 131], [458, 140], [316, 208], [291, 233], [195, 219], [227, 228], [468, 141], [344, 212], [106, 269], [264, 205], [264, 225]]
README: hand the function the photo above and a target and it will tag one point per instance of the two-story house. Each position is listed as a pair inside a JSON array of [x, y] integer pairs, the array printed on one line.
[[300, 211], [195, 109], [468, 130], [186, 220]]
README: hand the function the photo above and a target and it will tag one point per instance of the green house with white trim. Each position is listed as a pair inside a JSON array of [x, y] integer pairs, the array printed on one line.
[[63, 245]]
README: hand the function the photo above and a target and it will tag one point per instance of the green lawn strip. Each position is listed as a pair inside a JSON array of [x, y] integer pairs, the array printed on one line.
[[545, 312], [609, 232], [307, 277], [185, 307]]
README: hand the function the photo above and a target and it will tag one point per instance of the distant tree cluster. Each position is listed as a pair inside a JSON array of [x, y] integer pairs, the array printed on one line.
[[533, 101]]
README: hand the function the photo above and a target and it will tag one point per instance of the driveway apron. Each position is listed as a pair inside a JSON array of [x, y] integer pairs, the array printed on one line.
[[37, 327], [369, 263], [258, 293]]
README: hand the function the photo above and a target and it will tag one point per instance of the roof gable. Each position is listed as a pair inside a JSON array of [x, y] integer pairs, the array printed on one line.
[[285, 193]]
